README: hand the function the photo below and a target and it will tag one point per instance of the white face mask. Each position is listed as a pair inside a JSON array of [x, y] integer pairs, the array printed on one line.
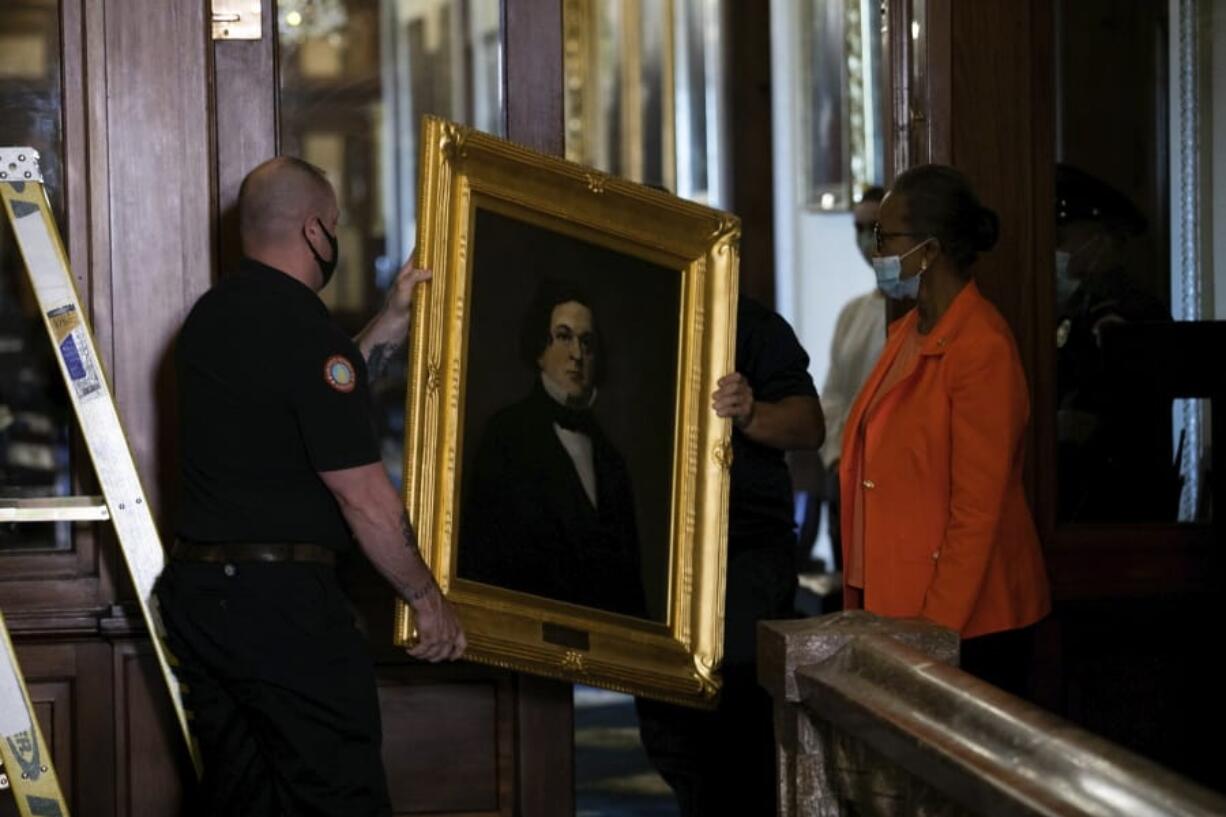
[[1066, 285]]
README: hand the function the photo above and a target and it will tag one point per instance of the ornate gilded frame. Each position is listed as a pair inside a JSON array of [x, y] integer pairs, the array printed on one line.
[[676, 660]]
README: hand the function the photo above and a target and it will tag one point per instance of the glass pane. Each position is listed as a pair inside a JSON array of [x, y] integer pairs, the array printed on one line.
[[356, 78], [918, 80], [1198, 252], [655, 104], [825, 106], [1117, 443], [1191, 424], [865, 95], [699, 66], [619, 103], [844, 148], [35, 414], [644, 94]]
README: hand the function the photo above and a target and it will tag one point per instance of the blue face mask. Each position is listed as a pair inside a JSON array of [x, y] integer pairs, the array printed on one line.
[[889, 276], [1066, 284]]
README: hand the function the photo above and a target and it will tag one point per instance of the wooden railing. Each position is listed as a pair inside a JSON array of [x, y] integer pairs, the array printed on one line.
[[872, 717]]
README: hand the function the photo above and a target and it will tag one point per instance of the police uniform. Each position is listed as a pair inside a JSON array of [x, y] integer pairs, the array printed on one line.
[[279, 683], [723, 762], [1115, 457]]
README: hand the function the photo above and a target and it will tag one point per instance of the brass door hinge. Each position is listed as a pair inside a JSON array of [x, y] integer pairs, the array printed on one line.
[[237, 20]]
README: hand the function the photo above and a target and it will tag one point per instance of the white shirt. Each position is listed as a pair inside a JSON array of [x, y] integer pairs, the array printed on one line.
[[859, 336], [576, 443]]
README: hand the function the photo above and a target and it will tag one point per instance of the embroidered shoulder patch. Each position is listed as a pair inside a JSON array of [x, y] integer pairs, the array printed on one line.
[[339, 373]]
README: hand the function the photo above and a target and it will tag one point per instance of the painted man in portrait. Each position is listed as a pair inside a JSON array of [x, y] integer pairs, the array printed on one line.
[[548, 507]]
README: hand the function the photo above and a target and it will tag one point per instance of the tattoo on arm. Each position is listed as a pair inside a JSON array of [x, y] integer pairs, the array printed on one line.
[[378, 362], [414, 594]]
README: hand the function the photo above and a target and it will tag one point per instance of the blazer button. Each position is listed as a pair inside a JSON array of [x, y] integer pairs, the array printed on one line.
[[935, 554], [868, 483]]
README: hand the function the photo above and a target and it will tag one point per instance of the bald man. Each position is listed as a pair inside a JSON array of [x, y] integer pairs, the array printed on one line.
[[280, 475]]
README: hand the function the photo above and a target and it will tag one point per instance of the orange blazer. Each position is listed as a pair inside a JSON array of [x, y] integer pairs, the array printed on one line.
[[947, 531]]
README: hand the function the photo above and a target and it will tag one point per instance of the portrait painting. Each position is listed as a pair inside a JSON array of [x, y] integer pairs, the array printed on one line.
[[572, 366], [565, 470]]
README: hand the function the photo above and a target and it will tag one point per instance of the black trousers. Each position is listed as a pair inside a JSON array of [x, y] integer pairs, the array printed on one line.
[[1002, 659], [280, 689], [720, 762], [834, 515], [723, 761]]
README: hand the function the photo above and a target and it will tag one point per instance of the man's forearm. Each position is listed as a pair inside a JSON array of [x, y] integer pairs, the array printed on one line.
[[388, 331], [395, 555], [381, 340], [791, 424], [386, 536], [372, 508]]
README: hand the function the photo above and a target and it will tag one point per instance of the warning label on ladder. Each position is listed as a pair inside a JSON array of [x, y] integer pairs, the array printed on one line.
[[70, 339]]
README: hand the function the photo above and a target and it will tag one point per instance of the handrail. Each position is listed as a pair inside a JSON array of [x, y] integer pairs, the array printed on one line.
[[971, 742]]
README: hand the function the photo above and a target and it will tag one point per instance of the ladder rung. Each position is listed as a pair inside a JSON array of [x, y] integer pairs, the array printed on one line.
[[54, 509]]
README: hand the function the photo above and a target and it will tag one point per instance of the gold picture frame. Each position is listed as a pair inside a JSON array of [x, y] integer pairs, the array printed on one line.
[[469, 179]]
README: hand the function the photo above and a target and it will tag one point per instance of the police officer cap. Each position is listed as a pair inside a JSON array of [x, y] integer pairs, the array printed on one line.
[[1082, 197]]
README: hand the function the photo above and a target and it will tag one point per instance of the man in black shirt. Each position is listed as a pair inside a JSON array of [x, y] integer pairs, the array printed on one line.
[[280, 473], [723, 762]]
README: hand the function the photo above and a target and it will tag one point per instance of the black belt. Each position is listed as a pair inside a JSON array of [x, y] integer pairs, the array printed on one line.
[[253, 552]]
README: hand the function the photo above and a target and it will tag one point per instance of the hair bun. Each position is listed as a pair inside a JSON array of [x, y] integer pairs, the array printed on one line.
[[987, 229]]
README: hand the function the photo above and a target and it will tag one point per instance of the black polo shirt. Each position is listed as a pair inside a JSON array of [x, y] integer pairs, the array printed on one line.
[[271, 392], [770, 357]]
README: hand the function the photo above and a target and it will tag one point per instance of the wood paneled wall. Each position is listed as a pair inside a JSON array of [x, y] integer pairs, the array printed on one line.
[[751, 146], [158, 167], [1008, 151], [247, 123], [104, 712], [534, 75]]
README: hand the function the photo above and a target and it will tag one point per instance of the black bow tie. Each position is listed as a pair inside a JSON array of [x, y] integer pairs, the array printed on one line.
[[580, 420]]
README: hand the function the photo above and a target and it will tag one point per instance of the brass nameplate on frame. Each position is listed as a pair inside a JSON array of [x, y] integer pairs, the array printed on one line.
[[565, 470]]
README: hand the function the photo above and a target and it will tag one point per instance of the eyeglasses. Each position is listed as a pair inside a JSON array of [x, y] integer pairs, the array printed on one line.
[[880, 237]]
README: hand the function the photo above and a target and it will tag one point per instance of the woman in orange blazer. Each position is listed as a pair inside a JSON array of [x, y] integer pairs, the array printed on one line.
[[935, 520]]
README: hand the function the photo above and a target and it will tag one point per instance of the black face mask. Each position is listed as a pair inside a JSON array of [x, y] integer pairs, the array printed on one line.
[[327, 268]]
